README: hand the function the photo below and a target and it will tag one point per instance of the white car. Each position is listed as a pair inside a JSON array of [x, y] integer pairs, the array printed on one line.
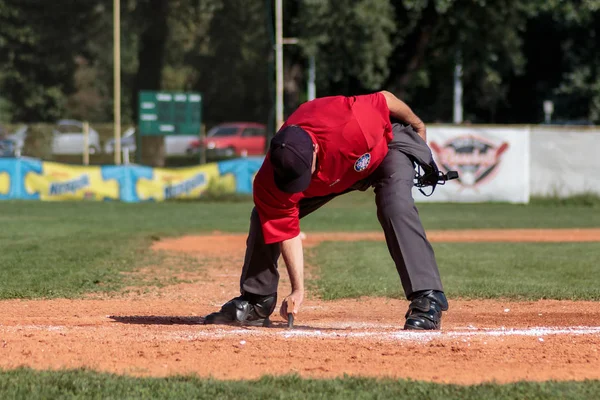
[[127, 142], [68, 138], [175, 145]]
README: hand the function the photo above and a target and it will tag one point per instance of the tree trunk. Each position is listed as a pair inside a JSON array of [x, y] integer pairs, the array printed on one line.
[[153, 16], [416, 60], [418, 48], [292, 79]]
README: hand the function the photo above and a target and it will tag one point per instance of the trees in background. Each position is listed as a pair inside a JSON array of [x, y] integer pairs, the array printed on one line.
[[484, 37], [230, 62], [56, 57], [352, 40], [578, 92], [39, 46]]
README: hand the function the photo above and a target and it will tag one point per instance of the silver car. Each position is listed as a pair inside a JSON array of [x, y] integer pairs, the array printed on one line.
[[67, 138], [18, 139], [127, 142], [175, 145]]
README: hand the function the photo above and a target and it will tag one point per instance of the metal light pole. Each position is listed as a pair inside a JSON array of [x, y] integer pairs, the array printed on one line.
[[279, 42], [548, 110], [458, 90], [117, 79], [278, 64], [312, 88]]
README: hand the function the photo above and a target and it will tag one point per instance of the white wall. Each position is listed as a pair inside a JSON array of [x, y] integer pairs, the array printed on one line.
[[564, 161]]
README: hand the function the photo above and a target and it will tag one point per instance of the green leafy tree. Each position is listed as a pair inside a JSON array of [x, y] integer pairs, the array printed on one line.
[[38, 45], [484, 37], [56, 57], [231, 64], [578, 95], [93, 99], [351, 40]]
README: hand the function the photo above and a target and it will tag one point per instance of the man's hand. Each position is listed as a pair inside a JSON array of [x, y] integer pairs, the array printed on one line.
[[401, 111], [421, 130], [291, 250], [291, 304]]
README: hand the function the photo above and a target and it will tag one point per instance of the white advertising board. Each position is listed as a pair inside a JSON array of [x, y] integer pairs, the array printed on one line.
[[492, 163]]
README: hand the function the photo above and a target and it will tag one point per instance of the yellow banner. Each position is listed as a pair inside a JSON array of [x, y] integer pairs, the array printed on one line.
[[183, 183], [65, 182], [4, 183]]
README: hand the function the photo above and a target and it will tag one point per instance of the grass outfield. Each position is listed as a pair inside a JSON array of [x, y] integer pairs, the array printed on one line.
[[523, 271], [27, 384], [68, 249]]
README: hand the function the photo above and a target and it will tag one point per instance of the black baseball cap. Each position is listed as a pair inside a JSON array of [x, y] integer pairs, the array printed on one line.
[[291, 157]]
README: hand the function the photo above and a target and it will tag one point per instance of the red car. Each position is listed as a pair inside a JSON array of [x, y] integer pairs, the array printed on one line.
[[234, 139]]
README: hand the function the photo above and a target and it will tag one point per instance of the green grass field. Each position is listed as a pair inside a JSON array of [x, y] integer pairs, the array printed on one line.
[[70, 249], [28, 384], [520, 271]]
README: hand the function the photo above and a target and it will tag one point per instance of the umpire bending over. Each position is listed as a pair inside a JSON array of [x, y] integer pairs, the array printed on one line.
[[327, 147]]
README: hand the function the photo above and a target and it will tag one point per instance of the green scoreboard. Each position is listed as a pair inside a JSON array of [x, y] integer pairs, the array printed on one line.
[[169, 113]]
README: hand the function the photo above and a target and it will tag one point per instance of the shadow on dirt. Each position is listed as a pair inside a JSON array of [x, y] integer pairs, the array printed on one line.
[[180, 320], [157, 320]]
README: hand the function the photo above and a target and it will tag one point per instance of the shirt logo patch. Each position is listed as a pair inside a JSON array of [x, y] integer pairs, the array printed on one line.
[[362, 163]]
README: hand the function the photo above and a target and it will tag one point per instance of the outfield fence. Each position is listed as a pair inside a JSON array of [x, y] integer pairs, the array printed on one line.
[[31, 179], [512, 163], [495, 163]]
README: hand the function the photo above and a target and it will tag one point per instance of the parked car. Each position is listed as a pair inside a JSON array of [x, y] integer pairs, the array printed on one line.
[[18, 139], [127, 142], [175, 145], [233, 139], [7, 148], [68, 138]]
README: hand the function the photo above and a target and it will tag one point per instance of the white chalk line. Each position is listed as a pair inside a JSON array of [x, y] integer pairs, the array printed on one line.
[[397, 335], [197, 332]]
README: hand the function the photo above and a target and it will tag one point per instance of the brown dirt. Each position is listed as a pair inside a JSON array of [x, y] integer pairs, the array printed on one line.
[[157, 333], [219, 243]]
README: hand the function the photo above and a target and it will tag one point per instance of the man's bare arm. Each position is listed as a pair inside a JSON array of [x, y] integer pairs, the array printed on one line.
[[400, 110], [292, 253]]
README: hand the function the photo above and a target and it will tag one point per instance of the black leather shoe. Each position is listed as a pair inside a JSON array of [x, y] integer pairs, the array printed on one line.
[[425, 310], [247, 309]]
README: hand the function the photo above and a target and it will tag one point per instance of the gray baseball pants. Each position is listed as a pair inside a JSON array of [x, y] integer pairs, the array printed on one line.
[[404, 234]]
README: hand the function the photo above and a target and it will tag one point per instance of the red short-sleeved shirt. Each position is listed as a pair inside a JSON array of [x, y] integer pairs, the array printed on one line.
[[353, 135]]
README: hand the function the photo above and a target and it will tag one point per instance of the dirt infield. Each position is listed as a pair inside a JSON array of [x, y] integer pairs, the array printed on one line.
[[158, 332]]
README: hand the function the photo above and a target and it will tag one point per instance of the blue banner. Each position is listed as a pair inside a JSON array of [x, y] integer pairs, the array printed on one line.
[[32, 179]]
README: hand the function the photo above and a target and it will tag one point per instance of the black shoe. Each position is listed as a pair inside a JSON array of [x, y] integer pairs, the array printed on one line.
[[247, 309], [425, 310]]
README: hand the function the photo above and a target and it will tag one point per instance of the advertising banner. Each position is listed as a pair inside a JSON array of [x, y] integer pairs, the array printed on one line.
[[492, 163], [159, 184], [7, 171], [244, 171], [32, 179], [54, 182], [4, 183]]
